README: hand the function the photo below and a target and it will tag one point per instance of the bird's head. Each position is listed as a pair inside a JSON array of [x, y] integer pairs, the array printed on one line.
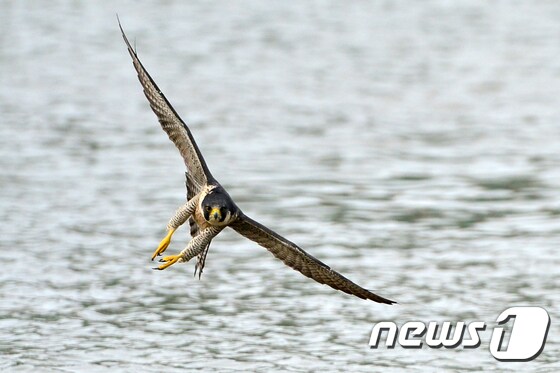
[[217, 208]]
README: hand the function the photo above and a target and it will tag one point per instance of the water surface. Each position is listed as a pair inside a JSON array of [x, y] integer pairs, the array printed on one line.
[[411, 146]]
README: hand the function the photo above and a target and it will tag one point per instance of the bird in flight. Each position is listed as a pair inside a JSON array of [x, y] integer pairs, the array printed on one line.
[[209, 208]]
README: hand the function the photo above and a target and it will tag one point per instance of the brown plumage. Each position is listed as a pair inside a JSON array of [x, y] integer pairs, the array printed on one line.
[[209, 208], [295, 257]]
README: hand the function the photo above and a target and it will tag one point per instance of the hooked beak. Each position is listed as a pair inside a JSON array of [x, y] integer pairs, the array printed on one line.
[[215, 213]]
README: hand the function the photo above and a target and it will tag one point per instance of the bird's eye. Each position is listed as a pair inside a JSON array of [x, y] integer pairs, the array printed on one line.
[[208, 208]]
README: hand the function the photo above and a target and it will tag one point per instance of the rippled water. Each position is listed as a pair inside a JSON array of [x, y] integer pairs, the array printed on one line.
[[414, 146]]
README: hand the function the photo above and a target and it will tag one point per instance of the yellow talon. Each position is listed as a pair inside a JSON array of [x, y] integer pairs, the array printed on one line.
[[168, 261], [164, 243]]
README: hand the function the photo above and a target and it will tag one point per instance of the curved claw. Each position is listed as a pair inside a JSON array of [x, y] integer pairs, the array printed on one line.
[[168, 261], [163, 244]]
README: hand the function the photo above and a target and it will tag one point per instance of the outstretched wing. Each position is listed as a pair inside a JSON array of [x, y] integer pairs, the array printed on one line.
[[295, 257], [170, 121]]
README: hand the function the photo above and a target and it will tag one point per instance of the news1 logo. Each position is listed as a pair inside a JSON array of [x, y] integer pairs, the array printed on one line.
[[526, 341]]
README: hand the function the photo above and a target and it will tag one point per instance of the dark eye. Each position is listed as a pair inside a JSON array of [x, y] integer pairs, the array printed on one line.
[[208, 208]]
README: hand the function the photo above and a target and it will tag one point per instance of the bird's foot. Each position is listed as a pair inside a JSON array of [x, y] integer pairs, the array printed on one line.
[[163, 244], [169, 261]]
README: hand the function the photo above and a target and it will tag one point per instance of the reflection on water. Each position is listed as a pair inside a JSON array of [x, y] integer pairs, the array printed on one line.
[[413, 147]]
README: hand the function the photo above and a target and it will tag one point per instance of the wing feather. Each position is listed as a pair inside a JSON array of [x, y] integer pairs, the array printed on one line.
[[170, 121], [295, 257]]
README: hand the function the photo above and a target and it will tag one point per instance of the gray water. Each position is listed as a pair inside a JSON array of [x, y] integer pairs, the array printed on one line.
[[413, 146]]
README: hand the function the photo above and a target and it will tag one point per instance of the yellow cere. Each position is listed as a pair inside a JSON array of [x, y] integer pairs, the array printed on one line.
[[214, 211]]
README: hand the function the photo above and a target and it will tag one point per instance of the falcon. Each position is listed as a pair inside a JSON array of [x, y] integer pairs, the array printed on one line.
[[209, 208]]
